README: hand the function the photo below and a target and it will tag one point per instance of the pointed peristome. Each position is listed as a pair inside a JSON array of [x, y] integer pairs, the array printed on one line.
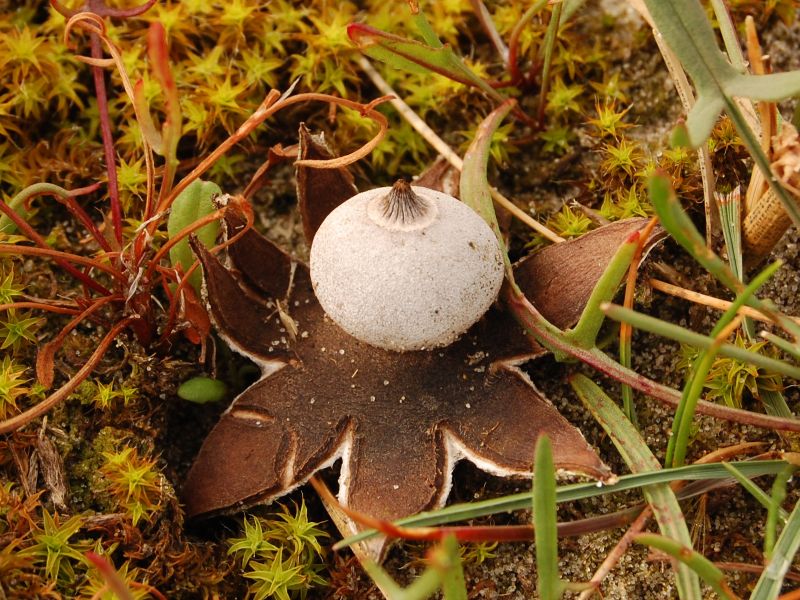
[[402, 209]]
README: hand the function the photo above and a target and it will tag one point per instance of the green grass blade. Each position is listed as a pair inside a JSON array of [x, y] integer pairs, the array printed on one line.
[[546, 53], [584, 334], [756, 492], [774, 403], [544, 522], [773, 513], [692, 559], [783, 553], [785, 345], [425, 30], [639, 458], [687, 31], [684, 415], [729, 37], [578, 491], [446, 558], [675, 220], [685, 336]]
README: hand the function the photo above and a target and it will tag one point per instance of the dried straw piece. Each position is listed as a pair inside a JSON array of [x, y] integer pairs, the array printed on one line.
[[766, 220]]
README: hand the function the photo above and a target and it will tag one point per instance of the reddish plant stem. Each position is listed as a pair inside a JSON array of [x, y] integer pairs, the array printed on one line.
[[184, 280], [616, 554], [46, 353], [756, 569], [62, 310], [65, 390], [108, 142], [31, 234], [538, 327], [81, 215], [63, 257]]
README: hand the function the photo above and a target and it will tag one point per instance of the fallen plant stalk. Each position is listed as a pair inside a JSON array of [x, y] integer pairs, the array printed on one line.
[[710, 301], [442, 148]]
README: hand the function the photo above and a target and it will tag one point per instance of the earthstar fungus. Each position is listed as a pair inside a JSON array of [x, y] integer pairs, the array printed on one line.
[[398, 421]]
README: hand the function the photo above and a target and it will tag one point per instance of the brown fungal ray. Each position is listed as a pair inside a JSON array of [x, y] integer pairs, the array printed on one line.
[[440, 176], [262, 266], [319, 191], [247, 327], [559, 279], [399, 421]]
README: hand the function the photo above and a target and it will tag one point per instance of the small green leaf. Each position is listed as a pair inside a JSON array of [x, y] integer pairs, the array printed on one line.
[[193, 203], [201, 390], [680, 137]]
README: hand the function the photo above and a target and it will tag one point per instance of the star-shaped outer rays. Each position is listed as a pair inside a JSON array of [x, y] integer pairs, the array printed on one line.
[[398, 421]]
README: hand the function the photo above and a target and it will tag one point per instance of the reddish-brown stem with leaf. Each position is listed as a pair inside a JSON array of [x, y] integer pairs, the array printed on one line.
[[272, 104]]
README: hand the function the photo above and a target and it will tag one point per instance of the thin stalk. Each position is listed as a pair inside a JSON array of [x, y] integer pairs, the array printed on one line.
[[442, 148], [485, 19], [547, 55], [709, 301], [108, 141], [59, 256], [513, 42], [62, 310], [548, 583], [698, 563], [785, 345], [613, 557], [625, 330], [756, 492], [272, 104], [30, 233], [728, 30], [580, 491], [44, 357], [774, 509], [639, 458], [771, 580]]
